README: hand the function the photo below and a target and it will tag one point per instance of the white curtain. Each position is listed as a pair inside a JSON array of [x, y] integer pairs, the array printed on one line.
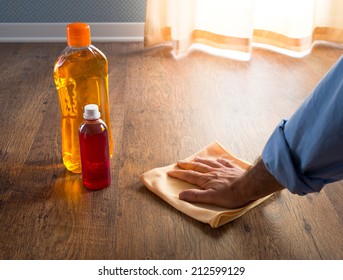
[[233, 27]]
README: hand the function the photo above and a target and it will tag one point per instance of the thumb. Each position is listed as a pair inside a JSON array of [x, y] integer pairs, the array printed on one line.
[[193, 195]]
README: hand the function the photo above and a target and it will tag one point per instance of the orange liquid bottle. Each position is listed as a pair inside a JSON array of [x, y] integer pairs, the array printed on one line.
[[81, 77]]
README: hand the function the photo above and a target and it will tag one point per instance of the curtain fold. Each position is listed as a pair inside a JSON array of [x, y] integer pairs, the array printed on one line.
[[235, 27]]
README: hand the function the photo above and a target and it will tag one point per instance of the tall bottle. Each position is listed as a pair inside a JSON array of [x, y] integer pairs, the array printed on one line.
[[94, 148], [81, 77]]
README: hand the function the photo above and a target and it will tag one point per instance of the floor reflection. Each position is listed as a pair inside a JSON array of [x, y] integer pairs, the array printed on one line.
[[69, 186]]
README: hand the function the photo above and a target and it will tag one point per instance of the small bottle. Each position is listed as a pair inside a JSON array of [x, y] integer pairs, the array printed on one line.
[[94, 150], [81, 77]]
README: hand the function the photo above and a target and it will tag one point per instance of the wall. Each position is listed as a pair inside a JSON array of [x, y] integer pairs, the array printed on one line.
[[45, 20], [35, 11]]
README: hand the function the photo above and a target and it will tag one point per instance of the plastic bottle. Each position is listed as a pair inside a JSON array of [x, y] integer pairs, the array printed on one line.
[[81, 77], [94, 148]]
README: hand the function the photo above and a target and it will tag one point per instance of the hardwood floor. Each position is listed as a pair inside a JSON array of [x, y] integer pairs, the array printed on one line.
[[162, 110]]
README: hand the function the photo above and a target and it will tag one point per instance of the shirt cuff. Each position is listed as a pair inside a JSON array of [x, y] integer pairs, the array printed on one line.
[[278, 160]]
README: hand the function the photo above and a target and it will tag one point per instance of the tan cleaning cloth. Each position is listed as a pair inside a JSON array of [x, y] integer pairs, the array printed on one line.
[[168, 188]]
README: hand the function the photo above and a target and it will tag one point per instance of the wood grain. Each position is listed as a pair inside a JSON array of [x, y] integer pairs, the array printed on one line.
[[162, 110]]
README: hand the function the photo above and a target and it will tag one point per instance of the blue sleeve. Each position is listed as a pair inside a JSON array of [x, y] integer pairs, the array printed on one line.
[[306, 152]]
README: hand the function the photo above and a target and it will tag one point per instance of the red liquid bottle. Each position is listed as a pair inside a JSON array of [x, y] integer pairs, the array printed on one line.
[[94, 150]]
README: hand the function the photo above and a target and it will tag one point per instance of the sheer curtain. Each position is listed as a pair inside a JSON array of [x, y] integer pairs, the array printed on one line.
[[231, 27]]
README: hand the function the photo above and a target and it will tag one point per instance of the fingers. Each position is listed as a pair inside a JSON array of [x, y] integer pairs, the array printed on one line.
[[190, 176], [208, 162], [201, 171], [205, 165], [225, 162], [196, 166], [193, 195]]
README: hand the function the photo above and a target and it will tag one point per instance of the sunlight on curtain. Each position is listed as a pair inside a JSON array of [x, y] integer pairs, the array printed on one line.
[[231, 28]]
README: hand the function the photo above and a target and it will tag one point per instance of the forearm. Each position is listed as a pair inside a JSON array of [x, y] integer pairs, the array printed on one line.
[[257, 182]]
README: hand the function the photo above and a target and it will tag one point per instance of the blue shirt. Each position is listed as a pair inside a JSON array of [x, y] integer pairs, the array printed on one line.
[[306, 152]]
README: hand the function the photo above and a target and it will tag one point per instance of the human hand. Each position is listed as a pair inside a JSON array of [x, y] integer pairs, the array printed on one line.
[[215, 178], [224, 184]]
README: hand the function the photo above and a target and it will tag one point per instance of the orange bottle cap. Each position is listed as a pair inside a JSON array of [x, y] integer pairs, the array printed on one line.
[[78, 34]]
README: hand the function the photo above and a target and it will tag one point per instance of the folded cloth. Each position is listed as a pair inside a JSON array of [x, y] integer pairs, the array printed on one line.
[[168, 188]]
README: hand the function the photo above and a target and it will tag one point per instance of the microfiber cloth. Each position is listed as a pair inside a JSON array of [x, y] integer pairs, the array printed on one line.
[[168, 188]]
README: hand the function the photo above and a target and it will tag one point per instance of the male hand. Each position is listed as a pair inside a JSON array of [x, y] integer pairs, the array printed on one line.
[[224, 184], [214, 177]]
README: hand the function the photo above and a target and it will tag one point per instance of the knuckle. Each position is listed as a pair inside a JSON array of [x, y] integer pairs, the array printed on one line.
[[194, 196], [205, 179]]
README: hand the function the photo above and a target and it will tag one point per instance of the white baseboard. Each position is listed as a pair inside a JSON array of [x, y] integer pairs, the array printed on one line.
[[56, 32]]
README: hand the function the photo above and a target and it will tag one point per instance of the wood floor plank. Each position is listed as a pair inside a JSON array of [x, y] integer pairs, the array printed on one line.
[[162, 110]]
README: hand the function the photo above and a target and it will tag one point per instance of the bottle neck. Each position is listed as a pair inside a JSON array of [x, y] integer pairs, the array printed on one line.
[[79, 48], [92, 120]]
